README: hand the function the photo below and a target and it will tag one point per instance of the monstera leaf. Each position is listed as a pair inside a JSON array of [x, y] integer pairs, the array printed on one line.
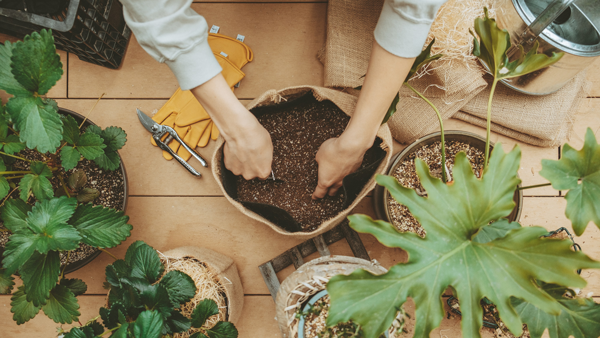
[[493, 45], [578, 317], [452, 214], [579, 173]]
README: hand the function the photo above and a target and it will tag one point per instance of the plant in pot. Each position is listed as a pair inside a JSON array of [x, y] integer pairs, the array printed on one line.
[[51, 222], [143, 301], [470, 246]]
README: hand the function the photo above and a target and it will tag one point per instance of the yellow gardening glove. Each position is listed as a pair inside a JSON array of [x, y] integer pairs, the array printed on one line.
[[237, 52]]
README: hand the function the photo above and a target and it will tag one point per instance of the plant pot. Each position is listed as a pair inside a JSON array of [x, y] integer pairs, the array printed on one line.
[[71, 267], [381, 196], [225, 270]]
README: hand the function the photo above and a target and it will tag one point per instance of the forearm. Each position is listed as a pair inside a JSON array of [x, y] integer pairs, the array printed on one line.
[[385, 75]]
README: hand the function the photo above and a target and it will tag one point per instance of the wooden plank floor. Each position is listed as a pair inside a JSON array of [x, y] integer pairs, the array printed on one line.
[[170, 208]]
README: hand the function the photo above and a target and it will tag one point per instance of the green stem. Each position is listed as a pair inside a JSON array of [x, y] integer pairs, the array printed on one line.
[[7, 196], [4, 230], [15, 172], [108, 253], [535, 186], [111, 330], [489, 124], [14, 177], [62, 182], [443, 141], [17, 157]]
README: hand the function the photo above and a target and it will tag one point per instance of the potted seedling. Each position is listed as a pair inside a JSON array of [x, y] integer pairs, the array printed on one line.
[[470, 246], [58, 209], [144, 301]]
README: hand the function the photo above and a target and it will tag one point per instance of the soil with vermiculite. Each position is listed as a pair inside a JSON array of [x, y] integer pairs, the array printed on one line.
[[110, 184], [297, 132]]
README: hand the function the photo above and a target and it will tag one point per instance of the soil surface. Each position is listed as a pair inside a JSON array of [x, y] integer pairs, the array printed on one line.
[[406, 174], [297, 131], [110, 184]]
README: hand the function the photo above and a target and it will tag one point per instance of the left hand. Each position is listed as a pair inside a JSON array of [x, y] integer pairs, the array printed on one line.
[[336, 160]]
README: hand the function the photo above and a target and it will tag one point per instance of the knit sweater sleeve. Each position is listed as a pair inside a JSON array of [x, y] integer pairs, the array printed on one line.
[[173, 33], [404, 25]]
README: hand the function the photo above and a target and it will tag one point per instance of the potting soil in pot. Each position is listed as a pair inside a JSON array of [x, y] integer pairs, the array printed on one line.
[[298, 128], [406, 174]]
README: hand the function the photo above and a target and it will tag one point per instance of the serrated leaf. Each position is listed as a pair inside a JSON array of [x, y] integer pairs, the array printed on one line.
[[70, 130], [17, 251], [128, 296], [75, 285], [114, 316], [38, 182], [205, 309], [48, 222], [222, 330], [69, 157], [181, 287], [96, 327], [11, 144], [22, 309], [77, 180], [579, 318], [88, 195], [91, 146], [94, 129], [451, 215], [4, 187], [8, 82], [578, 172], [121, 332], [494, 231], [80, 332], [114, 138], [101, 227], [130, 253], [148, 325], [35, 63], [156, 298], [62, 306], [40, 274], [145, 263], [117, 270], [37, 121], [6, 282], [14, 215], [176, 323], [198, 335], [108, 161]]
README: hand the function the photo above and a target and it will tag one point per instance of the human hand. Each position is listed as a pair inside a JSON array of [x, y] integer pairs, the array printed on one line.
[[336, 159], [249, 151]]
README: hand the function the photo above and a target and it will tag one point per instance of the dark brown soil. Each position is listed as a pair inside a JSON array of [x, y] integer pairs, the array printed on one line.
[[297, 132]]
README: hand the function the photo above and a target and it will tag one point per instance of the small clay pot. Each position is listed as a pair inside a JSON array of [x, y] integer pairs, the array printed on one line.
[[381, 195]]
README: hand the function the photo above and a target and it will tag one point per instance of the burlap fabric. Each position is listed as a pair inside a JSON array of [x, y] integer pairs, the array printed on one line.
[[308, 280], [224, 268], [452, 86], [346, 103]]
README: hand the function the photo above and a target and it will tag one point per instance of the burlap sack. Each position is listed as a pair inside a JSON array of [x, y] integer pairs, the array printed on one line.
[[224, 268], [309, 279], [346, 103]]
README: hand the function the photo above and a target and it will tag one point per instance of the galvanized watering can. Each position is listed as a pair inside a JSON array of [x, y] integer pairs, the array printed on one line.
[[569, 26]]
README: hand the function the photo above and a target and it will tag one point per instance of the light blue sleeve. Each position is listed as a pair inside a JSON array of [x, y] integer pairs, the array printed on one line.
[[173, 33], [404, 25]]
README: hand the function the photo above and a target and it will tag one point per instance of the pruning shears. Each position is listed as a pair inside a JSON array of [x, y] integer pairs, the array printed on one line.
[[159, 131]]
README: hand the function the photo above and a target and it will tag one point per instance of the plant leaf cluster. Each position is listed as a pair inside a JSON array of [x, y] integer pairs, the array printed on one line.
[[141, 303], [453, 215]]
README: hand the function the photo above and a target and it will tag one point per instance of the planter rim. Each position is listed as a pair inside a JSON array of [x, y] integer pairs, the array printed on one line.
[[380, 195]]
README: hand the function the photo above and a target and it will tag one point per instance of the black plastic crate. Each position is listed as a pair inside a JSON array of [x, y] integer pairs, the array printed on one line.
[[94, 30]]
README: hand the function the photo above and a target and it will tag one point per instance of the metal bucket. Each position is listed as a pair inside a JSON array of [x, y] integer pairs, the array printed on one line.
[[568, 26]]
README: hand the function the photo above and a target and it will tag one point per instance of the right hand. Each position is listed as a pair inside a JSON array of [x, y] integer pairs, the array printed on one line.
[[249, 151]]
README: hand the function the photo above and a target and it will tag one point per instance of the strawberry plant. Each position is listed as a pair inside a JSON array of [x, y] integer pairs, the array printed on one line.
[[38, 145], [143, 302]]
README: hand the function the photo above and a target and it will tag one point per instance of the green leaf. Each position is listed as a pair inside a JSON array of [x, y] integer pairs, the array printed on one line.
[[12, 144], [70, 130], [494, 231], [114, 316], [145, 263], [14, 215], [81, 332], [62, 306], [579, 318], [176, 323], [108, 161], [94, 129], [4, 187], [156, 298], [121, 332], [198, 335], [77, 180], [117, 270], [48, 221], [8, 82], [204, 310], [35, 63], [6, 282], [37, 121], [40, 274], [131, 251], [90, 146], [69, 157], [22, 309], [101, 227], [181, 287], [451, 214], [75, 285], [421, 60], [18, 250], [392, 108], [96, 327], [38, 182], [565, 174], [87, 195], [223, 330], [114, 138], [148, 325]]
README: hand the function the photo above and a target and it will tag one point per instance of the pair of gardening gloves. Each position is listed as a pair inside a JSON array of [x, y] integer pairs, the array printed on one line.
[[186, 115]]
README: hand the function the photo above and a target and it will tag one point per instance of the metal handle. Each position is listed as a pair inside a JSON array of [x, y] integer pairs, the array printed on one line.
[[173, 134], [166, 148]]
